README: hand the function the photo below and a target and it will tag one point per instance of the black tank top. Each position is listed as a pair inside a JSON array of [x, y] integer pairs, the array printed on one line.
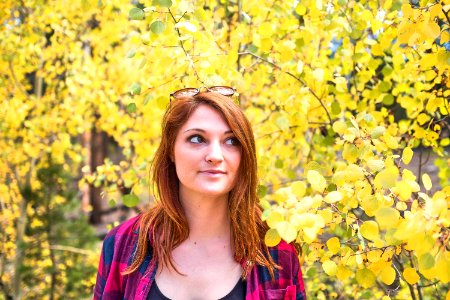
[[237, 293]]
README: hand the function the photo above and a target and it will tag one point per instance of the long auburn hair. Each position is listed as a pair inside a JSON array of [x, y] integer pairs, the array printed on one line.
[[164, 226]]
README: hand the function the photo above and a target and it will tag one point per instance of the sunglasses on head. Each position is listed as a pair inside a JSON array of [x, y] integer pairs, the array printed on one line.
[[190, 92]]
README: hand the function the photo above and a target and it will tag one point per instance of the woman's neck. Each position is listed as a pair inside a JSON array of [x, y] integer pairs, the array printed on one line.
[[208, 217]]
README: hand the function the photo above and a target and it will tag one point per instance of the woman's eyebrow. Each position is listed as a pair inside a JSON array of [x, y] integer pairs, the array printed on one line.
[[204, 131]]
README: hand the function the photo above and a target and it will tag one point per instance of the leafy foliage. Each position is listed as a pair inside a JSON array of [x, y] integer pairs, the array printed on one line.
[[345, 97]]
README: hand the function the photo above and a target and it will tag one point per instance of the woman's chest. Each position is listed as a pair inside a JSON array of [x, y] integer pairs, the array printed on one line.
[[200, 278]]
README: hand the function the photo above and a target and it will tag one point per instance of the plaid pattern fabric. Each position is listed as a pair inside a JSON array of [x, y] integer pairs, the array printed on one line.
[[120, 244]]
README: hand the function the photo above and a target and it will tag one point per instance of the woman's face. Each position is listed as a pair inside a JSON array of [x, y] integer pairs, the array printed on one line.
[[206, 155]]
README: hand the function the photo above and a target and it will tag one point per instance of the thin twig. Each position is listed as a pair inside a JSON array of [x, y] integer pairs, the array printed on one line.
[[446, 15], [71, 249], [295, 77], [191, 62], [16, 81]]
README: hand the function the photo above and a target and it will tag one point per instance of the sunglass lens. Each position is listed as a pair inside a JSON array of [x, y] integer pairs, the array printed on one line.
[[223, 90], [185, 93]]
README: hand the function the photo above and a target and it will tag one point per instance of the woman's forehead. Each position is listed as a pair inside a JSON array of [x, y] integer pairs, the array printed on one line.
[[206, 118]]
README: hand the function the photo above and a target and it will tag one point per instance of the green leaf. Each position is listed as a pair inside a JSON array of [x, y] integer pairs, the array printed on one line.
[[112, 203], [158, 27], [262, 191], [335, 108], [162, 3], [131, 53], [377, 132], [131, 108], [142, 63], [279, 163], [130, 200], [282, 122], [135, 89], [388, 100], [136, 14], [148, 98], [252, 48], [426, 261]]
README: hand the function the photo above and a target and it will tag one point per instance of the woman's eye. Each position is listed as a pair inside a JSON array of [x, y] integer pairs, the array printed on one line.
[[232, 141], [196, 139]]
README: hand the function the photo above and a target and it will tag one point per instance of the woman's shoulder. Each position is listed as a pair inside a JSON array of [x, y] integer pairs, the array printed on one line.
[[122, 235], [129, 226]]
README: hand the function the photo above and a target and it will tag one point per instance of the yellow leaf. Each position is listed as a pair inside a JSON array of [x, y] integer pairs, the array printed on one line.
[[405, 31], [435, 11], [365, 278], [265, 30], [387, 217], [317, 181], [430, 75], [272, 238], [274, 218], [422, 118], [318, 74], [404, 190], [286, 231], [298, 188], [407, 155], [339, 127], [388, 275], [300, 9], [407, 10], [370, 205], [442, 267], [333, 245], [386, 178], [330, 267], [343, 272], [436, 206], [333, 197], [299, 67], [350, 153], [326, 215], [385, 298], [445, 37], [369, 230], [410, 275], [375, 165], [431, 29], [426, 180], [401, 206], [390, 141], [448, 295], [374, 255]]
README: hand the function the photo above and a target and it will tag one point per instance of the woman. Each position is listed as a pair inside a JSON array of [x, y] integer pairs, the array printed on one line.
[[204, 238]]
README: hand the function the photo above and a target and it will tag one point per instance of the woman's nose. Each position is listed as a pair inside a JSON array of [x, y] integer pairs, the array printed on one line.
[[214, 153]]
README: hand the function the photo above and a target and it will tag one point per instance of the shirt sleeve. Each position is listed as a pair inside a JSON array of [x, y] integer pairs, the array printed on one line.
[[106, 260]]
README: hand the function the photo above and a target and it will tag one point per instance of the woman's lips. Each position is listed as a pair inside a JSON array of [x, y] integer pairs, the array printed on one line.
[[213, 172]]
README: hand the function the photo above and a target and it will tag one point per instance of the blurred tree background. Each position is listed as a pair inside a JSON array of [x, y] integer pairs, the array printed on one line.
[[349, 101]]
